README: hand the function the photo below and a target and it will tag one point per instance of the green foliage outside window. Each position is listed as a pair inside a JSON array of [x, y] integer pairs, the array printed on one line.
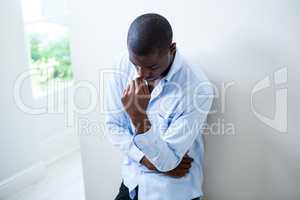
[[51, 60]]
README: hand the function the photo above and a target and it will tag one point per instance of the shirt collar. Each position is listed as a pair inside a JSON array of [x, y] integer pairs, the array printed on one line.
[[176, 65]]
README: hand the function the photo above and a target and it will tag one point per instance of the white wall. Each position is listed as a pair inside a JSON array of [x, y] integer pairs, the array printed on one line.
[[27, 141], [20, 162], [240, 41], [16, 129]]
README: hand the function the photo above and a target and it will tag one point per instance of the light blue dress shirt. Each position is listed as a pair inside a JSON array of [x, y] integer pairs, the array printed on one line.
[[177, 111]]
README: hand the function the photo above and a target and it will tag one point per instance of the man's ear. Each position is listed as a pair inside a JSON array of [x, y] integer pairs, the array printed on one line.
[[173, 47]]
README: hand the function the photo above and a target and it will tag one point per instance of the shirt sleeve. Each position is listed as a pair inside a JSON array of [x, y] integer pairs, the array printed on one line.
[[167, 153], [116, 121]]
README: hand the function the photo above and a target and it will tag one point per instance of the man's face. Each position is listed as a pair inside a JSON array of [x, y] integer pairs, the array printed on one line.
[[153, 66]]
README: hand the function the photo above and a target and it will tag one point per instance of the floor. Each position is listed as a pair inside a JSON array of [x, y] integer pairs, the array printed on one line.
[[63, 181]]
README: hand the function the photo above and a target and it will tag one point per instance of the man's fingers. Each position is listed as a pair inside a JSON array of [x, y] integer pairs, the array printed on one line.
[[134, 86], [139, 86], [146, 87], [186, 154], [143, 86], [185, 165], [182, 169], [130, 87], [187, 160], [178, 173]]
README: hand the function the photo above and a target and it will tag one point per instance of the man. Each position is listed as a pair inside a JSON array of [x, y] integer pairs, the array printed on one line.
[[157, 108]]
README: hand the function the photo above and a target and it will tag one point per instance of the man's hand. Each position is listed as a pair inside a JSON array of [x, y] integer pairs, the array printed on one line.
[[135, 100], [181, 170]]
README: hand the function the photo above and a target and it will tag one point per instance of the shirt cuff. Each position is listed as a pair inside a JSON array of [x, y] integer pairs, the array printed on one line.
[[135, 153], [148, 143]]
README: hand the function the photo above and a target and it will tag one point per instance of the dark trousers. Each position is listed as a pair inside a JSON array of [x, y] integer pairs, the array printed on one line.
[[124, 193]]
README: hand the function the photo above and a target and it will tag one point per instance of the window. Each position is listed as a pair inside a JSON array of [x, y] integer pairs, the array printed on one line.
[[47, 33]]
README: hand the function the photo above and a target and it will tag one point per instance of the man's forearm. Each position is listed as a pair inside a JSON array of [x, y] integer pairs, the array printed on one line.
[[143, 126], [181, 170]]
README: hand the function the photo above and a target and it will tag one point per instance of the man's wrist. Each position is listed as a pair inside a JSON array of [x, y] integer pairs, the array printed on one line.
[[143, 125]]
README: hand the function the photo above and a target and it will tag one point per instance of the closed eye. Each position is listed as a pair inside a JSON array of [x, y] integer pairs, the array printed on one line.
[[155, 67]]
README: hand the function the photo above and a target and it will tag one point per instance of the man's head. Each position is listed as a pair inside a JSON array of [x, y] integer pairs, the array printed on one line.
[[150, 46]]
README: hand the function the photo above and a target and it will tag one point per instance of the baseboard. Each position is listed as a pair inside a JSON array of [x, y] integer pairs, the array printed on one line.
[[52, 149], [22, 179]]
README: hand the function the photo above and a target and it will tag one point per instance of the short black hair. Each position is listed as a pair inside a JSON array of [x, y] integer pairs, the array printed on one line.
[[149, 33]]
